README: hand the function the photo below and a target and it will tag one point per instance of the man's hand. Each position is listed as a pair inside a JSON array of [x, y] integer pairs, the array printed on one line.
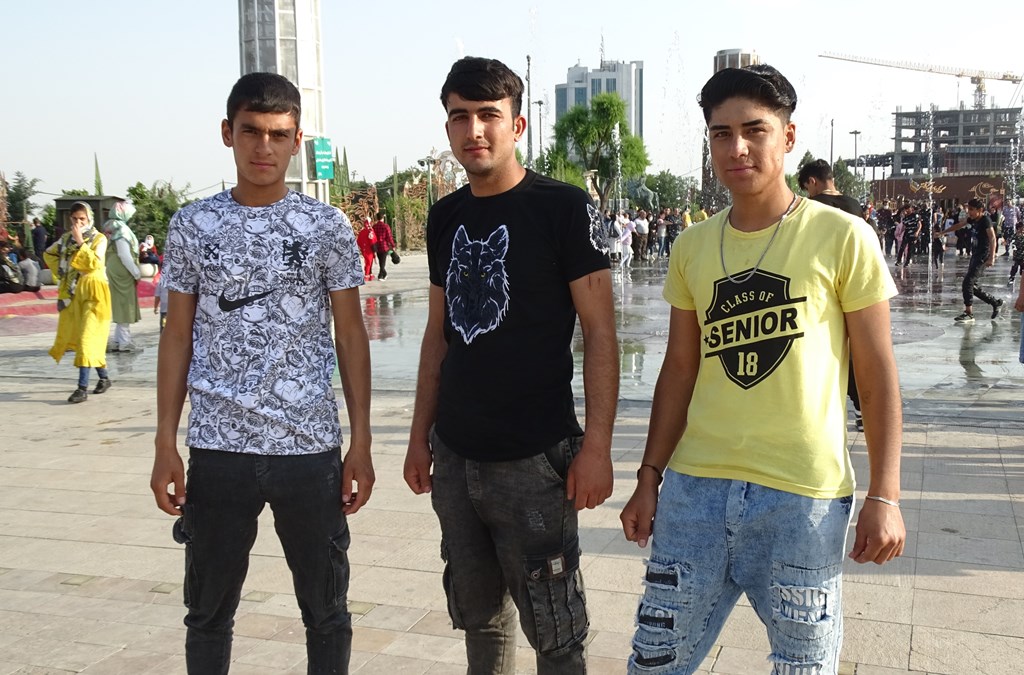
[[168, 470], [638, 515], [357, 466], [418, 459], [880, 533], [589, 479]]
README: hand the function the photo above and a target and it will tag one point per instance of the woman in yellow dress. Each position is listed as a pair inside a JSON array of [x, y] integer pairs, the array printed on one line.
[[78, 263]]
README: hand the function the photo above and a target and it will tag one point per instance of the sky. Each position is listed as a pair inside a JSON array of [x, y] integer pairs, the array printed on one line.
[[143, 84]]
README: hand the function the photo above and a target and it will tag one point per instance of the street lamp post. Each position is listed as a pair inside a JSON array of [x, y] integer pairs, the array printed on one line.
[[856, 158], [540, 126], [429, 162], [529, 127]]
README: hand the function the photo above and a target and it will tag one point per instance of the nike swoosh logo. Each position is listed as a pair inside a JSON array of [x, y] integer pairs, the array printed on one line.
[[231, 305]]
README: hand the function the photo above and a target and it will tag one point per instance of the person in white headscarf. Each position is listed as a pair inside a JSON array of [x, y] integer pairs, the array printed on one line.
[[124, 274]]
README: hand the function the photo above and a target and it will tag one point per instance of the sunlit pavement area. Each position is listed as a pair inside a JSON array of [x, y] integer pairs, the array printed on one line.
[[90, 578]]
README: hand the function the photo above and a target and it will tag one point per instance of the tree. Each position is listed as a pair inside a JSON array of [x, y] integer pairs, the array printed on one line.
[[554, 163], [585, 135], [846, 182], [19, 192], [154, 207], [673, 191]]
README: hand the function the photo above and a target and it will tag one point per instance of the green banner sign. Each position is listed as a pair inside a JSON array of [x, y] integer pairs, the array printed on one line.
[[323, 158]]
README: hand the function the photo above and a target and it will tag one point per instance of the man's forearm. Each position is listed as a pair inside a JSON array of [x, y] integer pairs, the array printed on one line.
[[353, 350], [878, 386], [174, 357], [601, 382], [428, 384]]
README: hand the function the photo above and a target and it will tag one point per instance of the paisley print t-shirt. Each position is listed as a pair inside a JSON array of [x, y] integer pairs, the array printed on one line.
[[262, 353]]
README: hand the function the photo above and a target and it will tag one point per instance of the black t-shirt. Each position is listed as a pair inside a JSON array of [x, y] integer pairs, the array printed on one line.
[[841, 202], [982, 228], [505, 263]]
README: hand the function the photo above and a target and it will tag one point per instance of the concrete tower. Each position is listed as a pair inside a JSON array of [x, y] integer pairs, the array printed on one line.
[[284, 37]]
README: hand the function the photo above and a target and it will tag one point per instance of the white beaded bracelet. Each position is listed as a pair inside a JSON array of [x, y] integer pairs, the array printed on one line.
[[883, 500]]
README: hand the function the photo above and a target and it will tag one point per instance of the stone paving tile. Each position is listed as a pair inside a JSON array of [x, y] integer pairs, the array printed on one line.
[[977, 614], [967, 524], [877, 603], [952, 652], [981, 580], [273, 654], [876, 642], [738, 661], [418, 645], [392, 618], [386, 664], [999, 552]]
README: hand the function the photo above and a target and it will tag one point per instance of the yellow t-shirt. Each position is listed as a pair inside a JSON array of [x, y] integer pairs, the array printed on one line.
[[769, 404]]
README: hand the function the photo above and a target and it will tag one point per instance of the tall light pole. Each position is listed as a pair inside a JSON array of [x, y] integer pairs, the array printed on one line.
[[856, 160], [831, 143], [540, 125], [529, 127]]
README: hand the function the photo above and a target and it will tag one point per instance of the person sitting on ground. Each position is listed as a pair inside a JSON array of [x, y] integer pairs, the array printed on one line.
[[29, 271], [11, 280], [148, 252]]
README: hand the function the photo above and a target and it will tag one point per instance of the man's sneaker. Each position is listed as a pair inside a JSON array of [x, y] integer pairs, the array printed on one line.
[[128, 348], [858, 419], [996, 308], [102, 385], [965, 318], [383, 275], [78, 395], [112, 348]]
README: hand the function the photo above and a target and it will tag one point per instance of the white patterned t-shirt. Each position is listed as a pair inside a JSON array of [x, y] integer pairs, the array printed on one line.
[[262, 354]]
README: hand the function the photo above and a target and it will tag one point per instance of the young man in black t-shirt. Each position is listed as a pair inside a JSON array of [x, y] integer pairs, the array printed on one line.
[[514, 257], [984, 255]]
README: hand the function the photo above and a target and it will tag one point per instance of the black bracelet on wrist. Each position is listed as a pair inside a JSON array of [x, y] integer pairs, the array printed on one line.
[[653, 468]]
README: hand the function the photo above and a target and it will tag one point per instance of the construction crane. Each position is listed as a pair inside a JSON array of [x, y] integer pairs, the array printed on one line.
[[978, 77]]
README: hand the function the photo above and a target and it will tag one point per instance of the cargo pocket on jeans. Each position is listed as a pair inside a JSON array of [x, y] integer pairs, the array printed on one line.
[[182, 533], [449, 590], [337, 585], [556, 593]]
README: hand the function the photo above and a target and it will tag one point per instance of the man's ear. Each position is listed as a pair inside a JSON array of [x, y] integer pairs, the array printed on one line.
[[225, 133]]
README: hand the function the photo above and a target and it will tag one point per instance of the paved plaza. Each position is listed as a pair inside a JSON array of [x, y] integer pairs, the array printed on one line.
[[91, 580]]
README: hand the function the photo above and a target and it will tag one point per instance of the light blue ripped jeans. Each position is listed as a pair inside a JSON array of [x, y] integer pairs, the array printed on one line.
[[714, 539]]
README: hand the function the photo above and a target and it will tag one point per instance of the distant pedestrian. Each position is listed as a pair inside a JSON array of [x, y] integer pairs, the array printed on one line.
[[160, 300], [984, 256], [77, 261], [148, 252], [385, 244], [11, 278], [1018, 251], [367, 242], [38, 237], [123, 274]]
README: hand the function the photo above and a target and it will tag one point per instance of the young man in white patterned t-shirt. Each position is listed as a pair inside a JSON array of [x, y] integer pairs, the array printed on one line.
[[254, 276]]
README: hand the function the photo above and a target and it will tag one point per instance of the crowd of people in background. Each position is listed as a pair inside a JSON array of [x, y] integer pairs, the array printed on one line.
[[642, 236], [910, 230]]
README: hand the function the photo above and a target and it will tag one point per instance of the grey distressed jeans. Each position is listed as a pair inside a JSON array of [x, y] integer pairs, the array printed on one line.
[[509, 540]]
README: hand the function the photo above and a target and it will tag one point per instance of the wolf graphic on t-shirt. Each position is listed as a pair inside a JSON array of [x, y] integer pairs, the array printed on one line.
[[477, 284], [598, 232]]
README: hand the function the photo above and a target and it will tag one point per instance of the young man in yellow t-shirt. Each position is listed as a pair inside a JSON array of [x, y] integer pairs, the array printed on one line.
[[769, 297]]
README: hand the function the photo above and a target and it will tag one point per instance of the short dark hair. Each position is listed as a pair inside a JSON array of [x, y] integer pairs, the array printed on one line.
[[818, 169], [760, 83], [479, 79], [264, 93], [975, 203]]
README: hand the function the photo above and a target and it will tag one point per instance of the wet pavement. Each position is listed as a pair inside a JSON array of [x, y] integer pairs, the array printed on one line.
[[90, 580]]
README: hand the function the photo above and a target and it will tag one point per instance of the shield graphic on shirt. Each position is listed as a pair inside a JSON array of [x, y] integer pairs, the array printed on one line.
[[751, 326]]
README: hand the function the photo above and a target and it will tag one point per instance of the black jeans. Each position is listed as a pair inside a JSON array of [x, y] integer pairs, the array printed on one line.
[[382, 260], [971, 287], [509, 535], [226, 492]]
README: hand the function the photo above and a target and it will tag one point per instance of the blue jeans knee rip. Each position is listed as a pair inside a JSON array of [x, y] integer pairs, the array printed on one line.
[[804, 615], [656, 644], [556, 592]]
